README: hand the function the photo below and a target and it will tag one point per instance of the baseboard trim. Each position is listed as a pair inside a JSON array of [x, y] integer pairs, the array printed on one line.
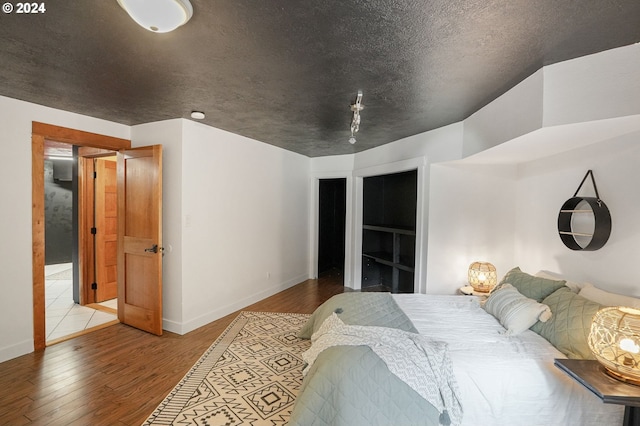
[[14, 351], [186, 327]]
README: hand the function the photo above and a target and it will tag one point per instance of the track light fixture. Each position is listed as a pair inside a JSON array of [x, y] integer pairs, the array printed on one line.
[[355, 121]]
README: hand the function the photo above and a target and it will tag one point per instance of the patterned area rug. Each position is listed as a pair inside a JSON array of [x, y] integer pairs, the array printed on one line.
[[249, 376]]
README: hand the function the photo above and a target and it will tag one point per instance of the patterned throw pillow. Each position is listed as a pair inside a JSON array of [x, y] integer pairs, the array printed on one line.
[[515, 312], [530, 286], [569, 327]]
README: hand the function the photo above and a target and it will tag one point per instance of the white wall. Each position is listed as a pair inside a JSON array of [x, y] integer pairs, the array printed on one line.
[[438, 145], [590, 113], [235, 220], [517, 224], [472, 218], [515, 113], [595, 87], [544, 185], [16, 303], [245, 222]]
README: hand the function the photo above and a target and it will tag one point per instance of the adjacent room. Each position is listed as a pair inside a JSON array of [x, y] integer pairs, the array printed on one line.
[[216, 209]]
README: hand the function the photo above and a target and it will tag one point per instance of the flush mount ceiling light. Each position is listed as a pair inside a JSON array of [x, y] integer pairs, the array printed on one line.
[[197, 115], [159, 16], [355, 121]]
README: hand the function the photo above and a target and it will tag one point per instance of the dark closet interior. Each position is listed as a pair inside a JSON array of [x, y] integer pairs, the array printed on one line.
[[389, 232], [331, 225]]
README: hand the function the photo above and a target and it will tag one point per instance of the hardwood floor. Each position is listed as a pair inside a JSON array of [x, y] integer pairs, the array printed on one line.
[[118, 375]]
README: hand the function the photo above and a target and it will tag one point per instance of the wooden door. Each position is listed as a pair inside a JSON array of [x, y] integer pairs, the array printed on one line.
[[140, 238], [106, 224]]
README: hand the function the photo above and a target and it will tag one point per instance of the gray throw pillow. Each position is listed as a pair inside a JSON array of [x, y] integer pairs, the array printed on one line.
[[530, 286], [569, 327]]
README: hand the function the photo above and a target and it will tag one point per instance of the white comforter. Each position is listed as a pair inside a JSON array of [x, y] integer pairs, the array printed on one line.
[[504, 380]]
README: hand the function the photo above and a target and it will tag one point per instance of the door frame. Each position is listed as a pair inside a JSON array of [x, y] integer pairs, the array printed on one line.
[[39, 133], [314, 219], [421, 165]]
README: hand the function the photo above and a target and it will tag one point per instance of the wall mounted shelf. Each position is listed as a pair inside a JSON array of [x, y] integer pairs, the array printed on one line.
[[599, 219]]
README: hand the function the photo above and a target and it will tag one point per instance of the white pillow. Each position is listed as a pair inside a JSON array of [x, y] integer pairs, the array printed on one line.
[[573, 285], [593, 293], [515, 312]]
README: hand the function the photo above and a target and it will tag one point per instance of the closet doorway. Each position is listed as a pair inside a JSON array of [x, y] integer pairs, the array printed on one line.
[[389, 206], [332, 203]]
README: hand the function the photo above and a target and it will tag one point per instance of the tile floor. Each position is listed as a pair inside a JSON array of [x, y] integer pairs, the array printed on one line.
[[63, 316]]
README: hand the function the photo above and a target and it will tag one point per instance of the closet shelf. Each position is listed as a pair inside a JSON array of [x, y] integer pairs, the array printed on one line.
[[387, 259], [405, 230]]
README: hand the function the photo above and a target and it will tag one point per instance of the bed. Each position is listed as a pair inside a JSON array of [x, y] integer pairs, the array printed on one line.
[[503, 372]]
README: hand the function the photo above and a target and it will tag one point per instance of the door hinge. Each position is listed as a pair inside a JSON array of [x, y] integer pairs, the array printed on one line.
[[94, 231], [94, 286]]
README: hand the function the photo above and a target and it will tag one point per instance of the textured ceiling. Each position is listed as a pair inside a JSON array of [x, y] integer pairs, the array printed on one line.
[[284, 72]]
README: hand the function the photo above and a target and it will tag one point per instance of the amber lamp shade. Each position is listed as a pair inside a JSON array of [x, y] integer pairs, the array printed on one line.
[[482, 276], [615, 342]]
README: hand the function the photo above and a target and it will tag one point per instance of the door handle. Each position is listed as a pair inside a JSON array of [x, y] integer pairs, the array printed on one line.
[[153, 249]]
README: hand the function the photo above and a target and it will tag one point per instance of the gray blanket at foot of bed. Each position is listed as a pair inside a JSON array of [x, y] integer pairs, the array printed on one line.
[[351, 386]]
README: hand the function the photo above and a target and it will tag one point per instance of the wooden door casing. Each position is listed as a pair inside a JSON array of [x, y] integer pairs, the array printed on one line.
[[139, 231], [40, 132], [106, 223]]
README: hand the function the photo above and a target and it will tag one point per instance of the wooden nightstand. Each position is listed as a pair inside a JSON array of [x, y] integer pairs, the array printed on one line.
[[592, 376]]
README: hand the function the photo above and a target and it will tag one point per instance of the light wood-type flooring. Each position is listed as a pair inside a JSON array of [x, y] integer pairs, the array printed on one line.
[[118, 375]]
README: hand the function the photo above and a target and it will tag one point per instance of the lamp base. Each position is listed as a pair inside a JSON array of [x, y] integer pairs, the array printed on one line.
[[622, 378], [482, 288]]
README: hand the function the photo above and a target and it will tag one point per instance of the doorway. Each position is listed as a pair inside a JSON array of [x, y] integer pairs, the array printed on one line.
[[332, 203], [80, 196], [389, 205], [40, 134], [139, 238]]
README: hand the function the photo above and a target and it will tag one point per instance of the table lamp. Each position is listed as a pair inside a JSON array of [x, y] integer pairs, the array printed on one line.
[[614, 340], [482, 276]]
